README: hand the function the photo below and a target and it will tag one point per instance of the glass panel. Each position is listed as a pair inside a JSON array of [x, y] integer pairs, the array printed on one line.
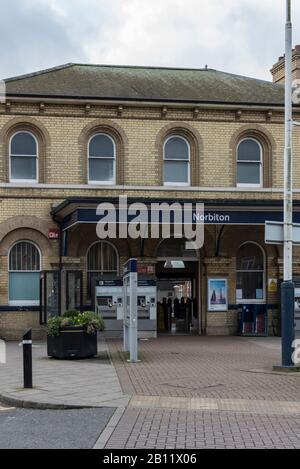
[[248, 173], [94, 257], [175, 248], [249, 150], [52, 293], [251, 283], [74, 290], [176, 149], [23, 144], [101, 146], [93, 277], [102, 170], [24, 256], [176, 171], [23, 167], [24, 286], [250, 257], [109, 257]]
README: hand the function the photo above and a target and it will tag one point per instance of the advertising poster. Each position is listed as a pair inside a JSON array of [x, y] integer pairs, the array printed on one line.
[[217, 295]]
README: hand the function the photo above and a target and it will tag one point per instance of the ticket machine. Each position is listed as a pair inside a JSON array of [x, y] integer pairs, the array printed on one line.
[[147, 308], [109, 304]]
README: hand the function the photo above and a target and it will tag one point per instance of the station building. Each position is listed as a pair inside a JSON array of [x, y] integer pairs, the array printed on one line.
[[75, 136]]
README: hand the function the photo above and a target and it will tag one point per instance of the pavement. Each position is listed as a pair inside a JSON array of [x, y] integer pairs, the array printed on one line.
[[187, 392], [61, 383]]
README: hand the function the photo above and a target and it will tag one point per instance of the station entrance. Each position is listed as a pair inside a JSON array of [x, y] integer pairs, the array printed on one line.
[[178, 292]]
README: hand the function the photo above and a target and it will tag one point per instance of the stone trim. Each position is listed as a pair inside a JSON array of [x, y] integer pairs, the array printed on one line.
[[120, 138], [32, 125], [264, 137], [196, 145], [26, 234]]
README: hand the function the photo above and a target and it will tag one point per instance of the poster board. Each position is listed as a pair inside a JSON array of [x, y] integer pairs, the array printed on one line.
[[217, 294]]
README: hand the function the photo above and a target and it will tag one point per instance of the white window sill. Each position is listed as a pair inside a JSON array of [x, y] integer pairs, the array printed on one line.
[[173, 184], [250, 186], [23, 303], [101, 183], [23, 181]]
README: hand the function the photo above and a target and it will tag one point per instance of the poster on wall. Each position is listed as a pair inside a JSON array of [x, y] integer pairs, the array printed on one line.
[[272, 285], [217, 294]]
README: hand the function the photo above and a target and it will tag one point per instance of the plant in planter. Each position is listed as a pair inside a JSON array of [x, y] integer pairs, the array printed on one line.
[[74, 335]]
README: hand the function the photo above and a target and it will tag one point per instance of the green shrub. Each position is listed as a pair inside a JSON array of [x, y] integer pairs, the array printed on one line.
[[53, 326], [88, 320], [72, 314]]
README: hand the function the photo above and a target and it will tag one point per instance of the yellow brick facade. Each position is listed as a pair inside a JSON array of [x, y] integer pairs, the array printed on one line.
[[63, 131]]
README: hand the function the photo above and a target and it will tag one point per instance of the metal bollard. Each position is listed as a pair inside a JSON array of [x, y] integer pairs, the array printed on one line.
[[27, 359]]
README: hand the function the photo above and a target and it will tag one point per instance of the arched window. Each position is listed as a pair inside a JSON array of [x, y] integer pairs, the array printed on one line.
[[24, 274], [102, 159], [177, 157], [102, 262], [249, 163], [23, 156], [250, 273]]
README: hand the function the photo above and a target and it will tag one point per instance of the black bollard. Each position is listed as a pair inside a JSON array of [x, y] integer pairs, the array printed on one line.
[[27, 359]]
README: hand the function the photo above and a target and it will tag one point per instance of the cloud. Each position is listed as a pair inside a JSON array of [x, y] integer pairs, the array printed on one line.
[[33, 36], [238, 36]]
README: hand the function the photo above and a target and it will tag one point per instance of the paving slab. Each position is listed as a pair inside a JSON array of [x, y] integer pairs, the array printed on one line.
[[61, 383]]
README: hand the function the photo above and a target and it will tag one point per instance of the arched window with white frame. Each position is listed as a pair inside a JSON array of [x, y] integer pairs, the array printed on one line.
[[102, 263], [101, 159], [249, 163], [24, 274], [177, 161], [250, 273], [23, 157]]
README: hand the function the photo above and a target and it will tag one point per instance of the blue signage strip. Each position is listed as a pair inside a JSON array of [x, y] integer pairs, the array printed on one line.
[[209, 217]]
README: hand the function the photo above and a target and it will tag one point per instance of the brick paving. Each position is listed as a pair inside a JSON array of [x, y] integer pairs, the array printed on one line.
[[171, 429], [196, 393], [207, 367]]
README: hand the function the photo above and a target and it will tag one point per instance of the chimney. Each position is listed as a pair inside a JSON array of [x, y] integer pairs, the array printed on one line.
[[278, 70]]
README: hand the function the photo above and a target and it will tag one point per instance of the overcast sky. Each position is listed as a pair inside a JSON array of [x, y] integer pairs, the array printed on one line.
[[237, 36]]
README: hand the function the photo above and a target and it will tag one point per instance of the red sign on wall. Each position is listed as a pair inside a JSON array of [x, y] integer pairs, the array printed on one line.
[[53, 233], [146, 269]]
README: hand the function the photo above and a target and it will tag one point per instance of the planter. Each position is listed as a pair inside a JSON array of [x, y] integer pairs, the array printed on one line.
[[72, 342]]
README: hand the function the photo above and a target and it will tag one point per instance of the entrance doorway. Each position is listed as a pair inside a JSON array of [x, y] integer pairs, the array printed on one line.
[[178, 292], [177, 307]]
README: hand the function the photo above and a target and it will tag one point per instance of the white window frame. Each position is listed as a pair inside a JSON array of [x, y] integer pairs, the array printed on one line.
[[102, 183], [20, 302], [24, 181], [261, 162], [263, 300], [177, 184]]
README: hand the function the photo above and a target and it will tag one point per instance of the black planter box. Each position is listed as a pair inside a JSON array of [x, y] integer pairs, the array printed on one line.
[[72, 342]]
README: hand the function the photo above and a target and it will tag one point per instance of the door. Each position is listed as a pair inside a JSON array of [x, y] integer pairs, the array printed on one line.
[[50, 295]]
